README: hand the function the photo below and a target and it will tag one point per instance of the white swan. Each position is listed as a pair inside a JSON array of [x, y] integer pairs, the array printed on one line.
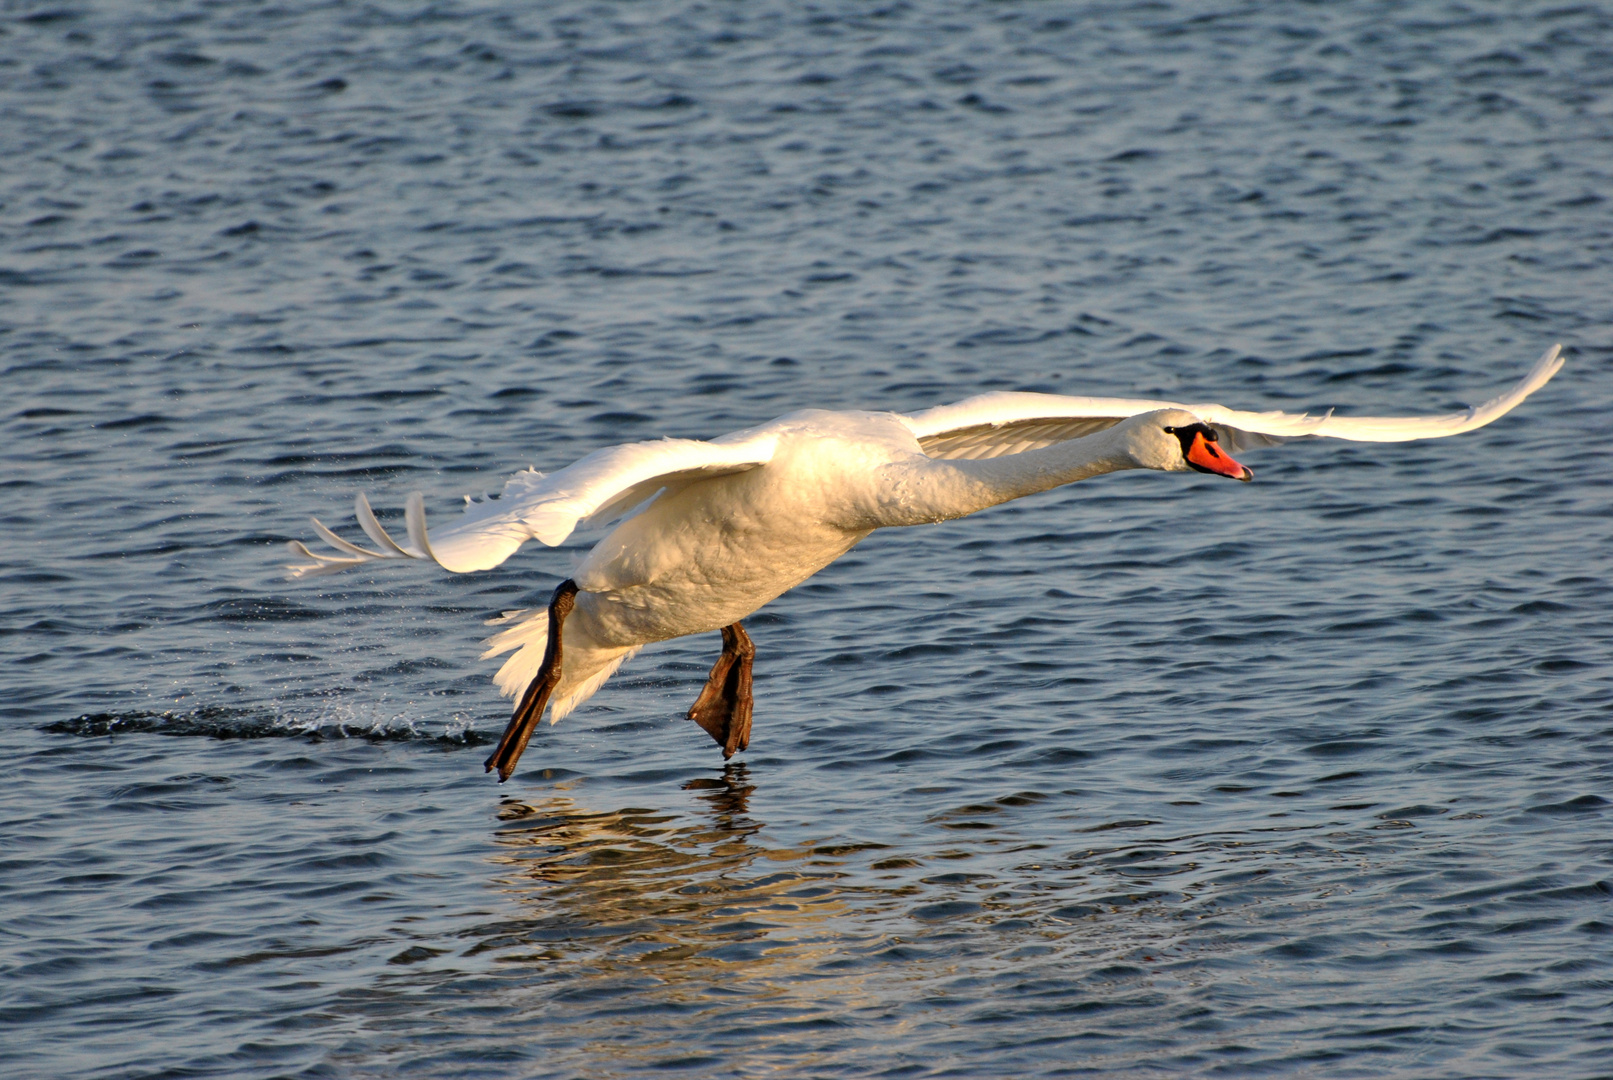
[[714, 530]]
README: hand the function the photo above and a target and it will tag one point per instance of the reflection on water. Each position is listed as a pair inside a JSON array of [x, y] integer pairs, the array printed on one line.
[[643, 925], [645, 890]]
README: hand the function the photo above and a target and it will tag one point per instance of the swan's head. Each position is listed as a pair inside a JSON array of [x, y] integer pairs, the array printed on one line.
[[1174, 440]]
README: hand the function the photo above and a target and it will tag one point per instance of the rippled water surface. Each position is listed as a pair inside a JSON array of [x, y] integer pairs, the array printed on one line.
[[1154, 774]]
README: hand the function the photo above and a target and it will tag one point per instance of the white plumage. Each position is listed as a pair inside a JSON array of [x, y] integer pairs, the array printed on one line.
[[714, 530]]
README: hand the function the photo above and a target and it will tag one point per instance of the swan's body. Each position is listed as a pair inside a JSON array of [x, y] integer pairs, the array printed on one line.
[[714, 530]]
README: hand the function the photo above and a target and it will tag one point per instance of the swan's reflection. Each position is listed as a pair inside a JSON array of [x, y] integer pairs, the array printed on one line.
[[728, 796], [684, 893]]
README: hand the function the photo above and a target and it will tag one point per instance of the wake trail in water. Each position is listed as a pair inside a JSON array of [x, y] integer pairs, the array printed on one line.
[[226, 722]]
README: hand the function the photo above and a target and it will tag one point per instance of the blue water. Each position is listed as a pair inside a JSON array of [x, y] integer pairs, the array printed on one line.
[[1150, 775]]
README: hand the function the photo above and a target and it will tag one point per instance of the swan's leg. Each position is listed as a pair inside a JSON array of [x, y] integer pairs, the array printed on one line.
[[724, 706], [530, 710]]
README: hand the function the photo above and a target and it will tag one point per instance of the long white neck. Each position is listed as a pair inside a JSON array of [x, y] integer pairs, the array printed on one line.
[[923, 491]]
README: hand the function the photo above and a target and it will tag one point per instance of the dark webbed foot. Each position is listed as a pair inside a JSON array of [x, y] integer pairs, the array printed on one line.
[[530, 710], [723, 709]]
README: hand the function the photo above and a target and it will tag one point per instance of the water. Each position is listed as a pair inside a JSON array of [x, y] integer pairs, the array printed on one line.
[[1154, 774]]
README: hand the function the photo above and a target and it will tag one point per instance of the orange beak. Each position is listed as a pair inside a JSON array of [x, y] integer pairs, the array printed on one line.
[[1205, 456]]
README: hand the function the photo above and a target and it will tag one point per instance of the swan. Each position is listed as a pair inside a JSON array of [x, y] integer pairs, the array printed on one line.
[[711, 531]]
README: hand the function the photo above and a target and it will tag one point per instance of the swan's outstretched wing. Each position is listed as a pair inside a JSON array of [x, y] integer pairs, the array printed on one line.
[[1006, 423], [547, 508]]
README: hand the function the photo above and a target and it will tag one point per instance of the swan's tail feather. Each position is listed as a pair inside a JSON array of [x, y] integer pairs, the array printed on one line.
[[353, 555], [526, 630], [588, 689]]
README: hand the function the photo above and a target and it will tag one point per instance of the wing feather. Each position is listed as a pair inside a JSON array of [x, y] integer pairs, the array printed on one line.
[[341, 545], [543, 507], [372, 528], [995, 424]]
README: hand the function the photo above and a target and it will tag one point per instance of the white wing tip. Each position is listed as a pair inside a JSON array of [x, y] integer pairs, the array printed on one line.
[[351, 554], [1552, 358], [1549, 364]]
